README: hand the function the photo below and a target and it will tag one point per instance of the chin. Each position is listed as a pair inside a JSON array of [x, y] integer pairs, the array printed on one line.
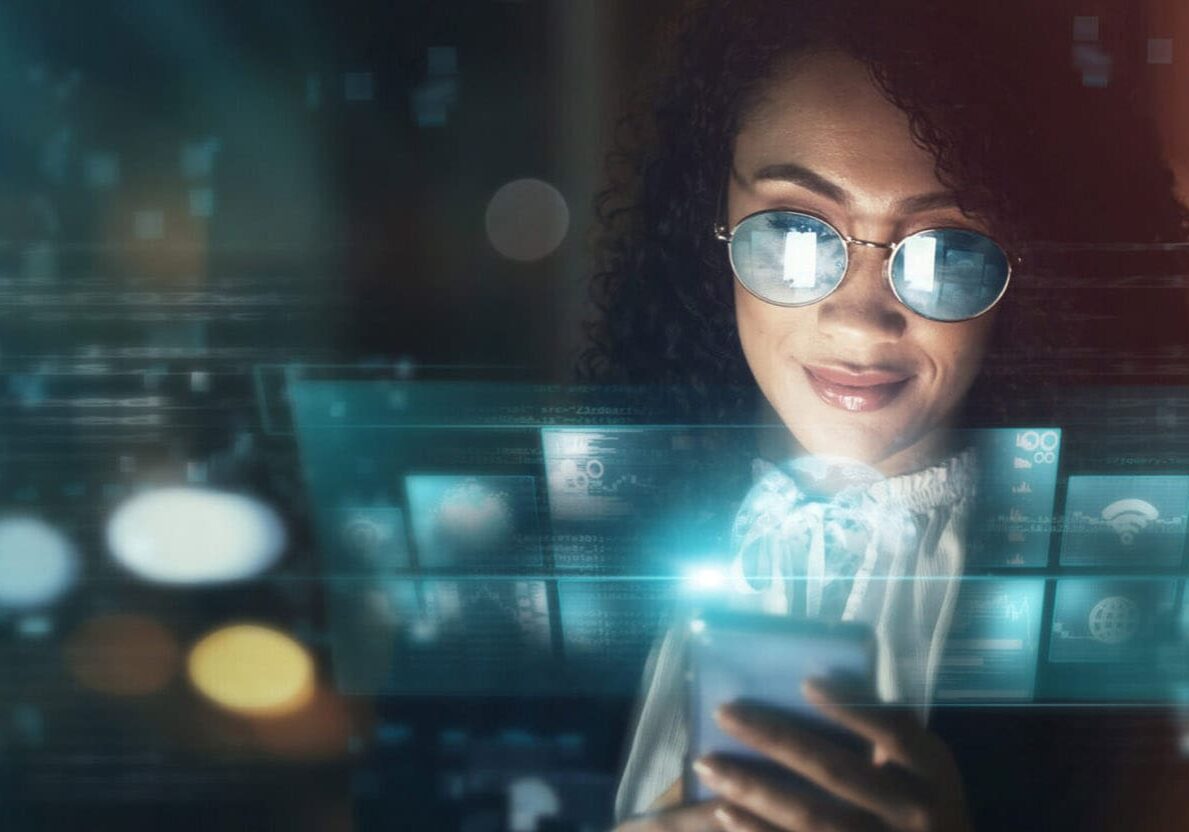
[[851, 444]]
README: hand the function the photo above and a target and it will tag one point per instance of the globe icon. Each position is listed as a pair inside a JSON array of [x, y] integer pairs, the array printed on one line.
[[364, 536], [1114, 620]]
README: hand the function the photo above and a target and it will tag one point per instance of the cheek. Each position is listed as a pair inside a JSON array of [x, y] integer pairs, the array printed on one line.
[[764, 331], [959, 349], [750, 321]]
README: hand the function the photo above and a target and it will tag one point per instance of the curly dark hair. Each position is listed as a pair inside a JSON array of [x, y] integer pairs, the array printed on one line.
[[990, 91]]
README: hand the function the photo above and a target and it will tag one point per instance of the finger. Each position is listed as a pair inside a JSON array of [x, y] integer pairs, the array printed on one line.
[[756, 800], [895, 732], [735, 819], [698, 817], [881, 791]]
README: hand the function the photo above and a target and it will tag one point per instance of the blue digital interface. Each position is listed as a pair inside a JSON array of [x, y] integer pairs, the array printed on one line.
[[462, 541], [991, 652], [608, 627], [636, 501], [603, 484], [419, 479], [1125, 521], [444, 637], [1013, 522], [1109, 636]]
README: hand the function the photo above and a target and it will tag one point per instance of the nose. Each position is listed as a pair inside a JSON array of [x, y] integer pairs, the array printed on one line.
[[863, 310]]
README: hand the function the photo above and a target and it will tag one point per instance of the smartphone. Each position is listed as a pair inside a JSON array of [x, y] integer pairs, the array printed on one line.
[[764, 659]]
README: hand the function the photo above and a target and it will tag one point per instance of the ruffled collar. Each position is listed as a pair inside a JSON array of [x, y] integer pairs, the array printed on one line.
[[832, 546], [930, 488]]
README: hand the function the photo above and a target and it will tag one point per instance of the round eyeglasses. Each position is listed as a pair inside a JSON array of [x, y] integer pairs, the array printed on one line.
[[792, 259]]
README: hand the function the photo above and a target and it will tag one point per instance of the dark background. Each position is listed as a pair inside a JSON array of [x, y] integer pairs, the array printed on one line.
[[352, 165]]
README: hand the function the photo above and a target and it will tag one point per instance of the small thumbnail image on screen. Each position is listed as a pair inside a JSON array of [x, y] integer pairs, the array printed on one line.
[[1113, 640], [1125, 521], [608, 627], [603, 472], [368, 540], [489, 636], [1111, 620], [1013, 519], [993, 645], [602, 484], [475, 522]]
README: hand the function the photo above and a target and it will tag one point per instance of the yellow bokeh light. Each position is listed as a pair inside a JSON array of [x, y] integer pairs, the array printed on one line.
[[253, 670]]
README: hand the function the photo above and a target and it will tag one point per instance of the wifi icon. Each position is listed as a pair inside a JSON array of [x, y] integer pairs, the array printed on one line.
[[1129, 517], [1143, 522]]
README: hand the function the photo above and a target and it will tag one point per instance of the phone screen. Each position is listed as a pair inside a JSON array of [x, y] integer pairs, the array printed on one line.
[[764, 659]]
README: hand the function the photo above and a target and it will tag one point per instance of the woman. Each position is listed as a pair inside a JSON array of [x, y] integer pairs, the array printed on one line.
[[862, 128]]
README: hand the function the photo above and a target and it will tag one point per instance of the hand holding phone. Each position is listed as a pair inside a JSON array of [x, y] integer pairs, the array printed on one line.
[[825, 755], [764, 660]]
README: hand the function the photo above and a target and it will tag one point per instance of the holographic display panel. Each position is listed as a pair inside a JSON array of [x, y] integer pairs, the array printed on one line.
[[991, 652], [1013, 521], [1125, 521], [481, 636], [643, 501], [608, 627], [1109, 637]]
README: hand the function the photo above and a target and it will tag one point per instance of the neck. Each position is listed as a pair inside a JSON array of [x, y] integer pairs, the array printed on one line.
[[776, 442]]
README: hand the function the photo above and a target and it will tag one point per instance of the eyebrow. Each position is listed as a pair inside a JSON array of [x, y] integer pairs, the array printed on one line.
[[806, 178]]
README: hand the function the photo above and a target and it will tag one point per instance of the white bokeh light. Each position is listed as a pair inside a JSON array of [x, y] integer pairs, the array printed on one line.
[[531, 800], [195, 536], [527, 219], [37, 562]]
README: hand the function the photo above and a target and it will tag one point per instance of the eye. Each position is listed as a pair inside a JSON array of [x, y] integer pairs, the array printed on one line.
[[946, 220], [779, 220]]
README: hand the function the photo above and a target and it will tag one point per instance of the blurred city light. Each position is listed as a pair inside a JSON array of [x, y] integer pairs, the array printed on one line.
[[195, 536], [319, 730], [527, 220], [253, 670], [530, 801], [37, 562], [123, 655]]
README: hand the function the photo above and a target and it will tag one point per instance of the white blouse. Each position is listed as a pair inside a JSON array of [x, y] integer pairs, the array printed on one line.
[[902, 578]]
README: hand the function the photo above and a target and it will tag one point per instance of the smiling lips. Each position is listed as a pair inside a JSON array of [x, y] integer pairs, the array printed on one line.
[[856, 392]]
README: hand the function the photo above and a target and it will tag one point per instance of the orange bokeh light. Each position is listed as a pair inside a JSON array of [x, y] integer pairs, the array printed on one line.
[[123, 655]]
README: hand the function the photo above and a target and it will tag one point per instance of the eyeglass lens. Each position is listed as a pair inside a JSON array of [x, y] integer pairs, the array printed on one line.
[[796, 259]]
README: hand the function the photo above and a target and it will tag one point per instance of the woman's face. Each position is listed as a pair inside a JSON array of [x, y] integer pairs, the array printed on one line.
[[857, 374]]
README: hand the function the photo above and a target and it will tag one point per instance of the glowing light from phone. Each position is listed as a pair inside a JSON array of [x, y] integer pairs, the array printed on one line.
[[706, 579]]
